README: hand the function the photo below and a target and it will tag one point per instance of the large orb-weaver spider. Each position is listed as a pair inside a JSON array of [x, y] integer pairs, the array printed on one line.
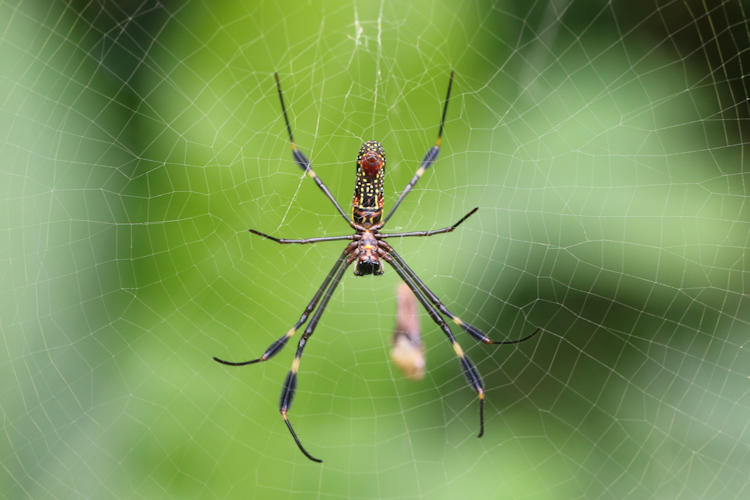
[[367, 247]]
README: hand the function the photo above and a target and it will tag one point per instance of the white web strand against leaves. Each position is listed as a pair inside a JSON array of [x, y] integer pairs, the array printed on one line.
[[605, 147]]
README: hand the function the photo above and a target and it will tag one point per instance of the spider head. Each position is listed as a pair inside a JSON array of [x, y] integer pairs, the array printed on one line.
[[368, 266], [371, 157]]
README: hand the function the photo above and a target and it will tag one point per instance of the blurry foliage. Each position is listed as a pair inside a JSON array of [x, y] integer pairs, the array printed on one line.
[[604, 146]]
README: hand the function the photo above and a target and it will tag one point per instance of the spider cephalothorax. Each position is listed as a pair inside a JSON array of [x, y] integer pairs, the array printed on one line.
[[368, 248]]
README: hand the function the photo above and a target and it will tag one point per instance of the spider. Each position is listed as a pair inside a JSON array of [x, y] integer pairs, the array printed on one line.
[[367, 248]]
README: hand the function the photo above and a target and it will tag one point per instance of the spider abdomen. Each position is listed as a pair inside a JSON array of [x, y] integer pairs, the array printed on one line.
[[367, 204]]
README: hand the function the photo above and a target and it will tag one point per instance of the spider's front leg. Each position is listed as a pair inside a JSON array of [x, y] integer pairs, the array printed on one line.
[[279, 343], [290, 383], [470, 371], [475, 332]]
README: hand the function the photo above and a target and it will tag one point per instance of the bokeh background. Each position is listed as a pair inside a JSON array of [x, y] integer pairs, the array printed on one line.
[[606, 144]]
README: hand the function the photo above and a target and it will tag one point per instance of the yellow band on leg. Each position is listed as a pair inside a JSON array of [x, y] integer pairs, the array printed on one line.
[[459, 351]]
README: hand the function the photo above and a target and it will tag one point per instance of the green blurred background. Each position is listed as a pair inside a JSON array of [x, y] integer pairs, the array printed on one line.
[[605, 144]]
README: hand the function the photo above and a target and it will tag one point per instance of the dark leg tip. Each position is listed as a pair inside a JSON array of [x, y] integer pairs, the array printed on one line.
[[481, 412], [296, 439], [518, 341], [231, 363]]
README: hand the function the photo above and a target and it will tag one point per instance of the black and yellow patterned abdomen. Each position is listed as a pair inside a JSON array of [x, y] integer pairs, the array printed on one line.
[[367, 204]]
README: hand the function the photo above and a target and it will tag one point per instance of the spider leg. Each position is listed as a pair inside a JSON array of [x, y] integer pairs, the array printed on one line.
[[429, 157], [290, 383], [306, 240], [281, 342], [471, 330], [470, 371], [302, 160], [428, 233]]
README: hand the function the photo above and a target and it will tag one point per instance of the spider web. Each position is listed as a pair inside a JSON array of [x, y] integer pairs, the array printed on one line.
[[605, 144]]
